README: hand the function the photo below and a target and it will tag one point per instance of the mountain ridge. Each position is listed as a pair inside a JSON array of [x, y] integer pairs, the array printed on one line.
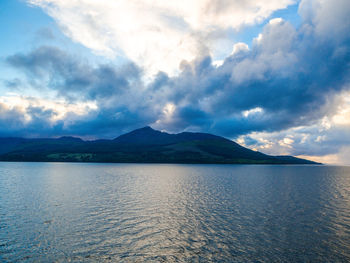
[[144, 145]]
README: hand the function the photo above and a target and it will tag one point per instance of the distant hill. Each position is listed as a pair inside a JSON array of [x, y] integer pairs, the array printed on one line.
[[144, 145]]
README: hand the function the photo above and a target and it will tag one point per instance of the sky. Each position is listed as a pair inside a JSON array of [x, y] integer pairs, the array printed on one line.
[[273, 75]]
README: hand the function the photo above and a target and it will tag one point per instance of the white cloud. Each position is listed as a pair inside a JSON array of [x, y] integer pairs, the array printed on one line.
[[239, 47], [218, 63], [59, 108], [277, 20], [327, 141], [252, 111], [156, 34], [342, 117], [286, 142]]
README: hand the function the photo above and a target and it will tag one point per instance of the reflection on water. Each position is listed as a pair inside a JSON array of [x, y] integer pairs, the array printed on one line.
[[173, 213]]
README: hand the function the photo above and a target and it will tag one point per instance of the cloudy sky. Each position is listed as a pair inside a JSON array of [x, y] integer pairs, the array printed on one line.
[[273, 75]]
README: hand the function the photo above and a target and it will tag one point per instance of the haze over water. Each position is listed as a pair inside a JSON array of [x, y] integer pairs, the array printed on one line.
[[59, 212]]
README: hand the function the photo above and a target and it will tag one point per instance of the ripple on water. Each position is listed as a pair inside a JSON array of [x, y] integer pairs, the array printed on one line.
[[174, 213]]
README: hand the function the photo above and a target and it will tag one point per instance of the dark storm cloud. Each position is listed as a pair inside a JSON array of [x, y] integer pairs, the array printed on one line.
[[291, 75], [50, 67]]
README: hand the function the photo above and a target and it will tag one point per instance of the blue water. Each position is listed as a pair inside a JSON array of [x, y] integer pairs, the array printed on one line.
[[61, 212]]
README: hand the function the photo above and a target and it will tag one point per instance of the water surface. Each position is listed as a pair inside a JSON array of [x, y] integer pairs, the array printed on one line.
[[59, 212]]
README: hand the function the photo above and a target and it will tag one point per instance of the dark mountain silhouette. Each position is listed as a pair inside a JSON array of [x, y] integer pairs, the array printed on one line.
[[144, 145]]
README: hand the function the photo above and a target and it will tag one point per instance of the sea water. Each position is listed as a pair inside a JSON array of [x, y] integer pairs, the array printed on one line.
[[77, 212]]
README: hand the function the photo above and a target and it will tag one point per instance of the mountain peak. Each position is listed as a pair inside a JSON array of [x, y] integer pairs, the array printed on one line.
[[145, 135], [146, 128]]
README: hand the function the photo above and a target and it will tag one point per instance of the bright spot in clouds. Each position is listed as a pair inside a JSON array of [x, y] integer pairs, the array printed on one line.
[[286, 142], [252, 111], [156, 34], [169, 110], [343, 115]]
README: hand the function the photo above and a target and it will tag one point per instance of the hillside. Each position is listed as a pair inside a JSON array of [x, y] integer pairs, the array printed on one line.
[[144, 145]]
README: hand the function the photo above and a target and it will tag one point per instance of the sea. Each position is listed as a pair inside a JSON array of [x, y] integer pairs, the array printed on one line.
[[85, 212]]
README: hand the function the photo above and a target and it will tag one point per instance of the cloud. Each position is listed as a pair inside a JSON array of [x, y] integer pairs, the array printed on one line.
[[45, 33], [340, 158], [31, 121], [330, 19], [156, 35], [327, 140], [284, 94], [35, 117], [50, 68]]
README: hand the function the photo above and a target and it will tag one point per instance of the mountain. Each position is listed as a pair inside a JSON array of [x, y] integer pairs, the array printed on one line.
[[144, 145]]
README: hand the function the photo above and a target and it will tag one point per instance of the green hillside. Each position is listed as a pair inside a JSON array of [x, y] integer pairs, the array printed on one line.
[[143, 145]]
